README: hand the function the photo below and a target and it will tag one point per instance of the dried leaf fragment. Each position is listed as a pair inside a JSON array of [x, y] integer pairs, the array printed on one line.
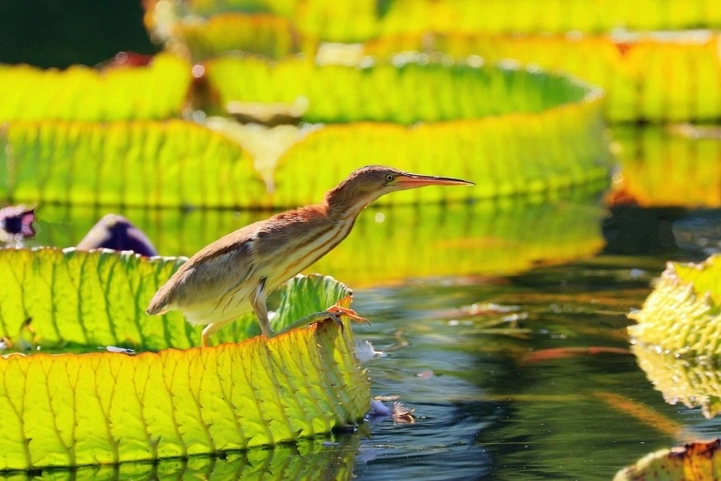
[[698, 461]]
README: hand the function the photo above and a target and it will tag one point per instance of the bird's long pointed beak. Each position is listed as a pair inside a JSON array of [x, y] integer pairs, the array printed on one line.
[[410, 181]]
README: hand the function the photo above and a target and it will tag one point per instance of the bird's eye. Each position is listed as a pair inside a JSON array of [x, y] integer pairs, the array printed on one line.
[[390, 177]]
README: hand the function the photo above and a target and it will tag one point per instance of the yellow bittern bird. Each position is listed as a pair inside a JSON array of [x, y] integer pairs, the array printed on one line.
[[234, 274]]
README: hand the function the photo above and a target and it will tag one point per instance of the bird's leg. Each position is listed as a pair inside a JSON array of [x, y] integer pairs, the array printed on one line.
[[209, 330], [334, 312], [257, 300], [312, 318]]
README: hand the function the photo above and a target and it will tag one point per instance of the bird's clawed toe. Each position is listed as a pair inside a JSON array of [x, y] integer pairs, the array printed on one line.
[[336, 310], [335, 317]]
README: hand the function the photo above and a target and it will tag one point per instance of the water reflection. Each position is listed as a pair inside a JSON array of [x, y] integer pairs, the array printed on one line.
[[308, 459], [669, 165], [389, 243]]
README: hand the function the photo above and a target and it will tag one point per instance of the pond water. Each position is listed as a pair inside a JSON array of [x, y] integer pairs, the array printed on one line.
[[494, 393], [522, 373], [504, 377]]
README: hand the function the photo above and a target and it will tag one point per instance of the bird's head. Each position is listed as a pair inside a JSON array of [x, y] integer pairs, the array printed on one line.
[[366, 184]]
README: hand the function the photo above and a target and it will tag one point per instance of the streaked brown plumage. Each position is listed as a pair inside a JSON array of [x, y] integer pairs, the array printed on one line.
[[233, 275]]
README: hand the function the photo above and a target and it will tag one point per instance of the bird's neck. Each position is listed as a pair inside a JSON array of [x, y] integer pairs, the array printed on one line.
[[342, 206]]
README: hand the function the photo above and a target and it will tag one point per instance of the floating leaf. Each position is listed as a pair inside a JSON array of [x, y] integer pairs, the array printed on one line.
[[99, 298], [634, 69], [157, 91], [405, 90], [699, 461], [157, 164], [682, 315], [366, 19], [137, 163], [515, 155], [676, 338], [110, 407], [87, 299], [103, 408], [268, 35], [513, 131]]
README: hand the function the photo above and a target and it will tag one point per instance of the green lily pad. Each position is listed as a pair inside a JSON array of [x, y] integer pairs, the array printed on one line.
[[676, 338], [108, 407]]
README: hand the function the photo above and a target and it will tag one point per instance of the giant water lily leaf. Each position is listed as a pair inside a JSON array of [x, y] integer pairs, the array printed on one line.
[[405, 89], [512, 131], [633, 69], [413, 17], [177, 163], [682, 315], [156, 91], [676, 338], [699, 461], [107, 407], [173, 163], [365, 19], [98, 298], [508, 156], [264, 34], [87, 299]]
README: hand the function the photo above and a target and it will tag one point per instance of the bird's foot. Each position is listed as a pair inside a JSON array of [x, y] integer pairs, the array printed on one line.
[[334, 312], [338, 310]]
